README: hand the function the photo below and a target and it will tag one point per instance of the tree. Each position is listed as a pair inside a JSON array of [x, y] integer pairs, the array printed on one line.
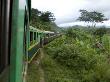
[[35, 13], [94, 17], [41, 20], [35, 20], [84, 16], [47, 17]]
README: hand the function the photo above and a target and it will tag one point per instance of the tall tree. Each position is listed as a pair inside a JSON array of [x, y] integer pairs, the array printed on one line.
[[47, 17], [93, 17], [41, 20], [35, 13]]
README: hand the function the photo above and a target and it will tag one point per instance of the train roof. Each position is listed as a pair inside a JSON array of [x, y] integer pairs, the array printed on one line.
[[41, 31], [34, 29], [46, 32]]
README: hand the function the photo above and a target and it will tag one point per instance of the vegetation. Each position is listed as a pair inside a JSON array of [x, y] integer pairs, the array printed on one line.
[[82, 54], [100, 33], [43, 20], [55, 72], [93, 17], [78, 56], [33, 73]]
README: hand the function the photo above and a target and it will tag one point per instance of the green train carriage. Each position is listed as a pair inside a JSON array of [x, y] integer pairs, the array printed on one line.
[[19, 42], [14, 25], [35, 36]]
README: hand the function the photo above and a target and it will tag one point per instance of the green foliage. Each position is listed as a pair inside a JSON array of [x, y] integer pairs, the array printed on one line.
[[43, 20], [55, 72], [77, 33], [99, 33], [85, 16], [33, 73], [70, 33], [47, 17], [93, 16], [78, 55]]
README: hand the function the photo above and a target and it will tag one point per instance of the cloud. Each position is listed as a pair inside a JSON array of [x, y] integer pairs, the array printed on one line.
[[67, 11], [105, 23]]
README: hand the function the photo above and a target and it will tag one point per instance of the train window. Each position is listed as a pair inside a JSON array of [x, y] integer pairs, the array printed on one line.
[[47, 35], [31, 38], [51, 34], [37, 34], [34, 35]]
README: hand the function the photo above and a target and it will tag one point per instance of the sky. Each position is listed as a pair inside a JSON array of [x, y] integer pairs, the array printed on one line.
[[67, 11]]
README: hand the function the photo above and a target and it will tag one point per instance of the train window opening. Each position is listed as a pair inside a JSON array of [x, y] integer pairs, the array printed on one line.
[[34, 35], [31, 38], [47, 35], [51, 34], [37, 34], [34, 38]]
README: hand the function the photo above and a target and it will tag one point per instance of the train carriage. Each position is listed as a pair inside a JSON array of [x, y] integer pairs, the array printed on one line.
[[19, 42], [35, 36], [14, 22]]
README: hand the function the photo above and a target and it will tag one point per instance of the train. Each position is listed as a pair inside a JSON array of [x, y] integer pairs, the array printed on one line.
[[19, 42]]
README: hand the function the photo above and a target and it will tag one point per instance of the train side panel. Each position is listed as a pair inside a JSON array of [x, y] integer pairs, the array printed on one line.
[[17, 40]]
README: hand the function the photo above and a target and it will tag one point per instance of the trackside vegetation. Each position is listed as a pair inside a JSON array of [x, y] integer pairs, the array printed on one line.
[[43, 20], [80, 55]]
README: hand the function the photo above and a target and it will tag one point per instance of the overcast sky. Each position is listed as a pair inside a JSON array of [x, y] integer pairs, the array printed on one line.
[[67, 11]]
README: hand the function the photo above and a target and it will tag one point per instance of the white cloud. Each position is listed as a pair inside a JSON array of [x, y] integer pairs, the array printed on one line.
[[67, 11], [105, 23]]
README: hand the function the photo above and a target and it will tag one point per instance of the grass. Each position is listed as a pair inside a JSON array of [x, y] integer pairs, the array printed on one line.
[[33, 71]]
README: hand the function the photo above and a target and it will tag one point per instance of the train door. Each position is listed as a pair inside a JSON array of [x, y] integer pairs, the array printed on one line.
[[41, 40]]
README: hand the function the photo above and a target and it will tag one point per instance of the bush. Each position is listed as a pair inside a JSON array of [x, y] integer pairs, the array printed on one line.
[[81, 58]]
